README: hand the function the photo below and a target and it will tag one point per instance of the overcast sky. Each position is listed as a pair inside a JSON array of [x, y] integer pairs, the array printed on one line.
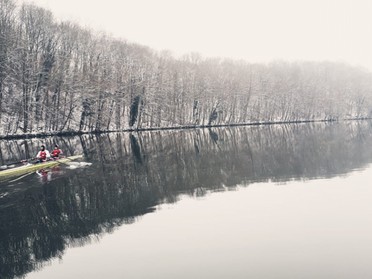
[[254, 30]]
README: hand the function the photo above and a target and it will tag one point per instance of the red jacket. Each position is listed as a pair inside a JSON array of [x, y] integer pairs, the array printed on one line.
[[56, 152], [42, 155]]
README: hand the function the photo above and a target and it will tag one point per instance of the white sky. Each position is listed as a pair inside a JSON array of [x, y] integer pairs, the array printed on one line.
[[254, 30]]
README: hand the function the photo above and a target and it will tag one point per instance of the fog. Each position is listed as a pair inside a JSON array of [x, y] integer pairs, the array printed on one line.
[[253, 30]]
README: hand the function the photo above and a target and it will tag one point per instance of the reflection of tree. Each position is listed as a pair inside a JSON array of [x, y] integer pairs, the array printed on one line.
[[136, 150], [132, 173]]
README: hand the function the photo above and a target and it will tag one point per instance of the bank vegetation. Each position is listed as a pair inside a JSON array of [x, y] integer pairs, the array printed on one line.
[[58, 77]]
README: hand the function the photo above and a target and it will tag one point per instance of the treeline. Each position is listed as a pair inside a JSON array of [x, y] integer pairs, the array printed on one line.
[[58, 76]]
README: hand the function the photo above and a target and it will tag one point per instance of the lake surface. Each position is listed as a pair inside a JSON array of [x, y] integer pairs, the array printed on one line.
[[281, 201]]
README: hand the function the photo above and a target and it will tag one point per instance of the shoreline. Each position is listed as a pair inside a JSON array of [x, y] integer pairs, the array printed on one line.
[[185, 127]]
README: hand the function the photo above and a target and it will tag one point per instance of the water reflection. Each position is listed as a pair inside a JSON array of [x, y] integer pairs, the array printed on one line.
[[132, 173]]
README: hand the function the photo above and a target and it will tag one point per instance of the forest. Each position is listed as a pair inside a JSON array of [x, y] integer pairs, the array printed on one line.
[[60, 77]]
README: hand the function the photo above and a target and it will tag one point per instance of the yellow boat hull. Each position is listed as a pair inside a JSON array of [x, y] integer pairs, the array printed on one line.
[[5, 174]]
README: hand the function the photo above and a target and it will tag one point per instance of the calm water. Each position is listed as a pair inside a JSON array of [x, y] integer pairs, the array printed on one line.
[[291, 201]]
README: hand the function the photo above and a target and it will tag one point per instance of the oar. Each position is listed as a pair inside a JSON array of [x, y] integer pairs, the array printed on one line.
[[19, 178], [63, 163], [3, 167]]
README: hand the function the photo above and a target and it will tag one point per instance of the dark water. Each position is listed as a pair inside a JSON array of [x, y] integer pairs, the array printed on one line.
[[205, 222]]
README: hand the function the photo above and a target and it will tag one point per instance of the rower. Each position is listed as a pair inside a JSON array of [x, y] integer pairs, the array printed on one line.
[[43, 154], [56, 152]]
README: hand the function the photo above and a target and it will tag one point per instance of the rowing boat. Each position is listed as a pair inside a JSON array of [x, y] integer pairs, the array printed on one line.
[[5, 174]]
